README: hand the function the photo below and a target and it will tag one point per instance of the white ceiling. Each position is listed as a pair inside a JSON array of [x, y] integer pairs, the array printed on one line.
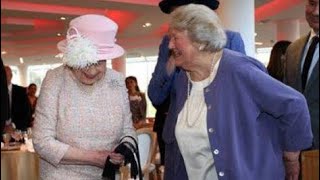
[[29, 27]]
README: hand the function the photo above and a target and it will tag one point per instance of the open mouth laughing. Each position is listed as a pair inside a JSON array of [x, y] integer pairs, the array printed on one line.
[[175, 53]]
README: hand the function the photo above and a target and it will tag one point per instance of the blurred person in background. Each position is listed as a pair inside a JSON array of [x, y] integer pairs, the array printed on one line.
[[277, 59], [31, 91], [83, 109], [20, 109], [228, 118], [4, 97], [137, 99]]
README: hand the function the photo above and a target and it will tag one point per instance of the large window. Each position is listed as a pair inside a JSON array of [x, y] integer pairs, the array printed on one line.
[[15, 75], [263, 55], [36, 74]]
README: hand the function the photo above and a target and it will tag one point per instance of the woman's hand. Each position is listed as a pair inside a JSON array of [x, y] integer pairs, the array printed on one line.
[[101, 157], [116, 158], [292, 165], [292, 170]]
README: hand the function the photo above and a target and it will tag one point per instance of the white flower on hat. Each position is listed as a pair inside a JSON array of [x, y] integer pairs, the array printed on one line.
[[80, 52]]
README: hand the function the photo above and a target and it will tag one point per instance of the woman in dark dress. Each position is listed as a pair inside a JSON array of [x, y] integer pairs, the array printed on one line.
[[137, 99]]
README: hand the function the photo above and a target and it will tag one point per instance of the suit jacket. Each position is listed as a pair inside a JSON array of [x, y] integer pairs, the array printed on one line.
[[20, 108], [292, 78], [4, 97]]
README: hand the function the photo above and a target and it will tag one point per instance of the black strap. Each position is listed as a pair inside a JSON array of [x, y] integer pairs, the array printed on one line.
[[109, 171], [128, 150], [136, 150], [110, 168], [135, 168]]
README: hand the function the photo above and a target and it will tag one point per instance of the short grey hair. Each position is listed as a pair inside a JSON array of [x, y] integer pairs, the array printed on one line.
[[202, 24]]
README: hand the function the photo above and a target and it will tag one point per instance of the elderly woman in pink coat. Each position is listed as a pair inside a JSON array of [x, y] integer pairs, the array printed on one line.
[[83, 109]]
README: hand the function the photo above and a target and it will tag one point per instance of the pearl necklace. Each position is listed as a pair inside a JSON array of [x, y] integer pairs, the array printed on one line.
[[189, 123]]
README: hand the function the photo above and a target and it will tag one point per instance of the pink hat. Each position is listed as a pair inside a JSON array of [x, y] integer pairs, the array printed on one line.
[[90, 38]]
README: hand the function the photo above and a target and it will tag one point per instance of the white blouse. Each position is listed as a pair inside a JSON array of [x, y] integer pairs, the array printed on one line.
[[191, 133]]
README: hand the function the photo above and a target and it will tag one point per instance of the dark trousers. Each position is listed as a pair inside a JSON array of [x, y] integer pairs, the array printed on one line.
[[161, 147]]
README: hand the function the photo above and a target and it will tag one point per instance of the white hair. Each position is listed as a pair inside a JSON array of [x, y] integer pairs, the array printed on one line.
[[202, 24]]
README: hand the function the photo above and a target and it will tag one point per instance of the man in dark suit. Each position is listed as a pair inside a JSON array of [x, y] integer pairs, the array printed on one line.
[[302, 66], [20, 109], [4, 97]]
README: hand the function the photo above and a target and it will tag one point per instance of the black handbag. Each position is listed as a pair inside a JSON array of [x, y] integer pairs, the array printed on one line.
[[131, 155]]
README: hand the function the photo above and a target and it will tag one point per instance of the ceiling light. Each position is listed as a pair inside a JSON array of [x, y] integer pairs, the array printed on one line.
[[63, 18], [21, 60], [259, 43], [147, 24], [59, 34], [3, 52]]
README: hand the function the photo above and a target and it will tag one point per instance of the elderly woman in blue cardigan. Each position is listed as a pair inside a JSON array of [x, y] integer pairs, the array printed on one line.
[[228, 118]]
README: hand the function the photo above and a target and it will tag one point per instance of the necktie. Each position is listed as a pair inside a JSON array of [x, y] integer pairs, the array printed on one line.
[[10, 102], [308, 60]]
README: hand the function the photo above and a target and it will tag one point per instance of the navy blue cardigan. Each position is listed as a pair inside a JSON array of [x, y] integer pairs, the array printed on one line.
[[252, 118]]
